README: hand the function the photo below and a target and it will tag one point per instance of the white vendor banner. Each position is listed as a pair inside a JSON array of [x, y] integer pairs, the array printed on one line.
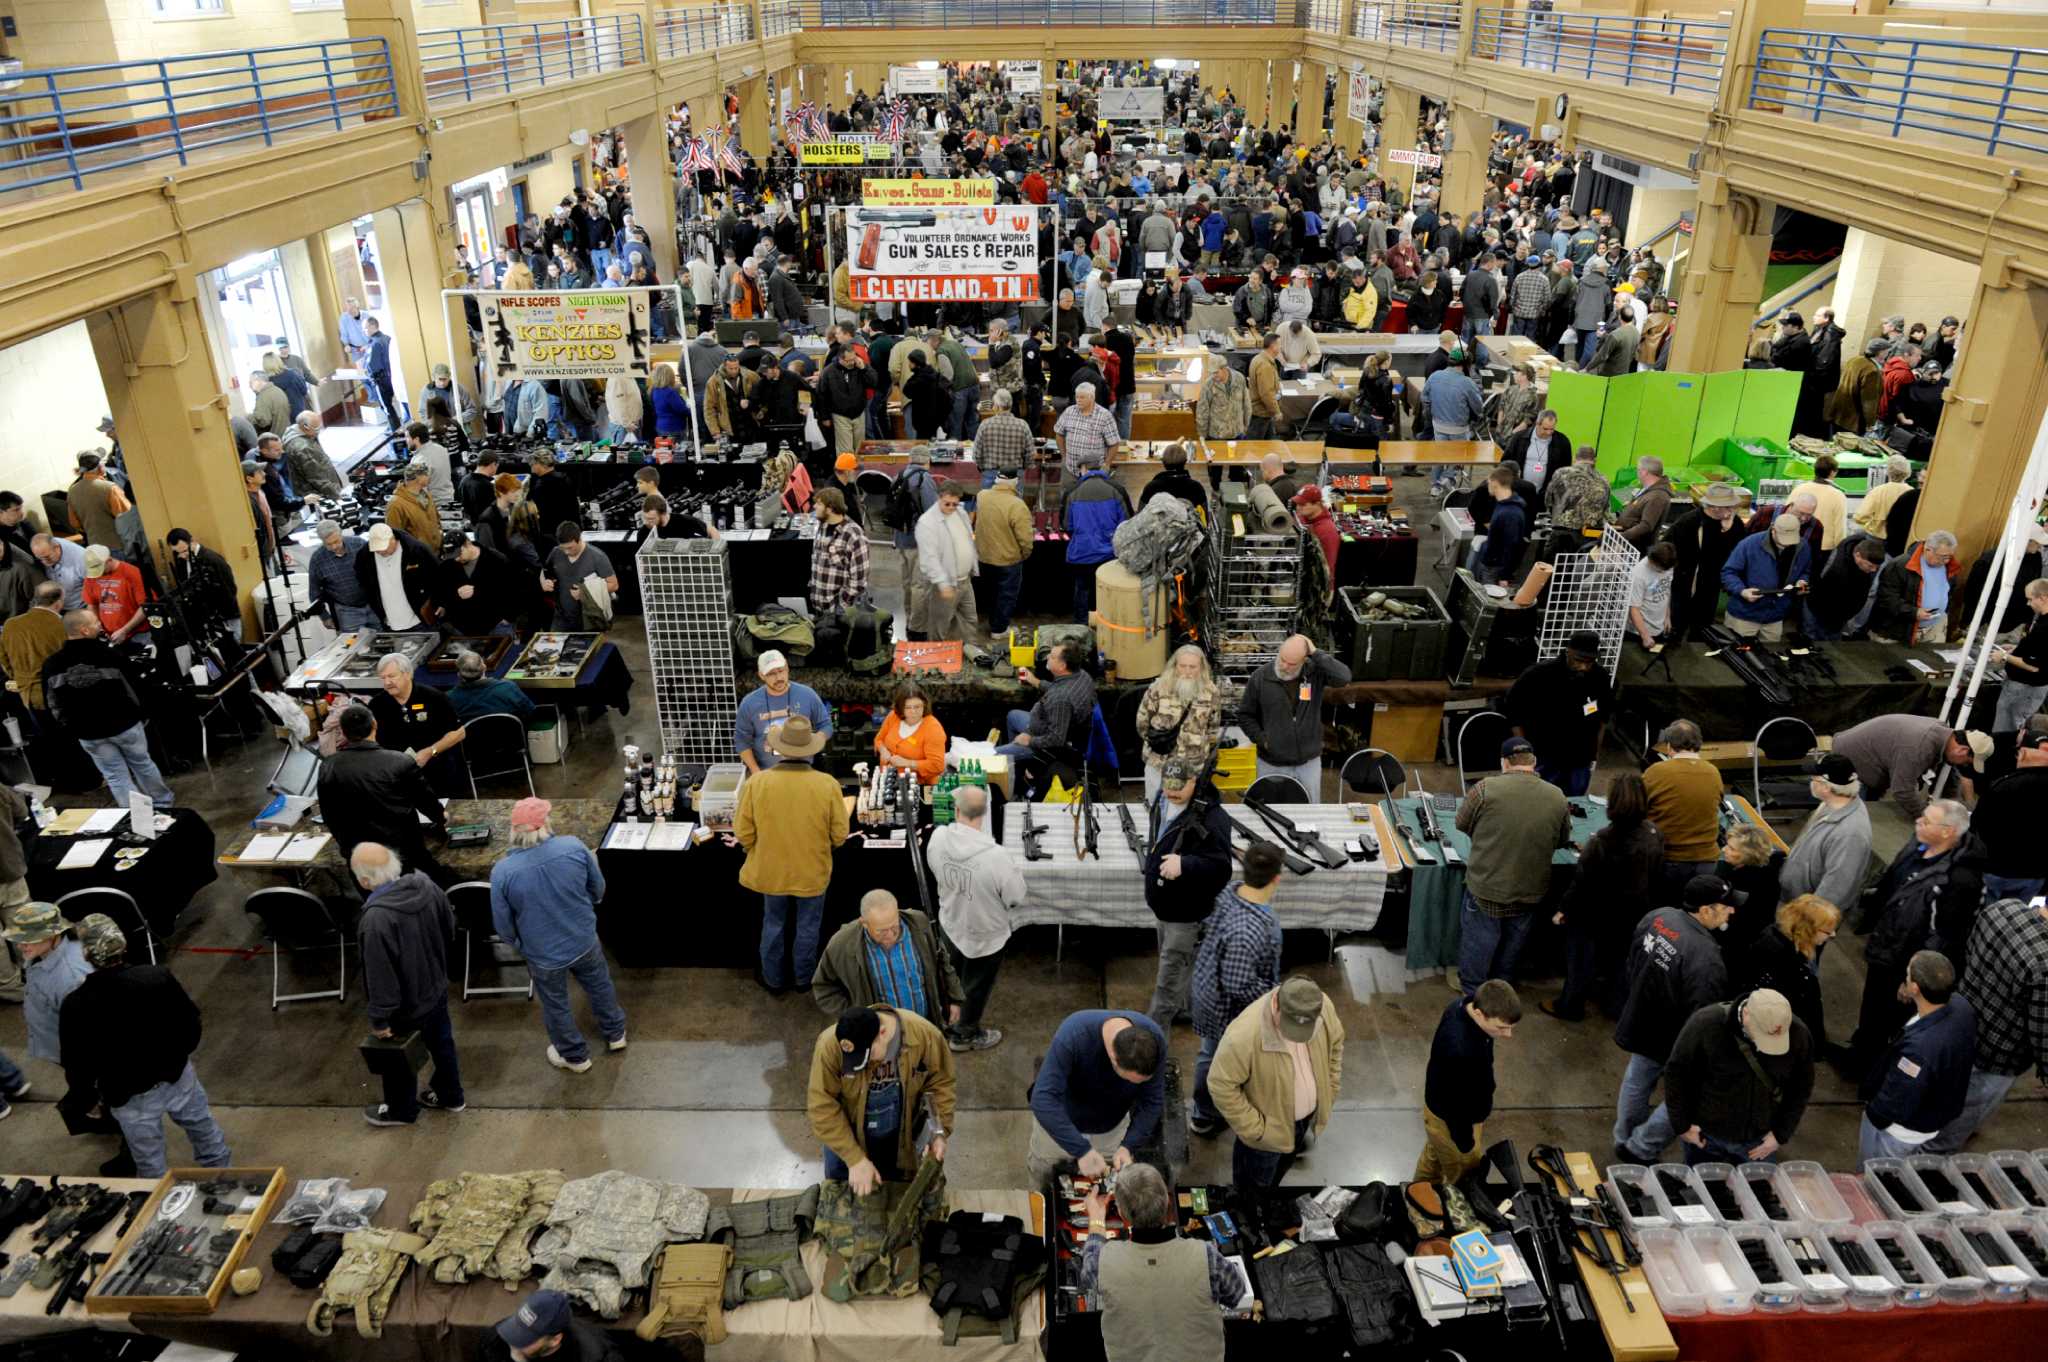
[[911, 80], [1131, 104], [1026, 77], [943, 254], [1358, 97], [592, 334]]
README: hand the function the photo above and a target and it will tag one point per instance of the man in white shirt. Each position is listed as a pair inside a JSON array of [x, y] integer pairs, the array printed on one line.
[[1649, 594], [947, 559], [389, 562]]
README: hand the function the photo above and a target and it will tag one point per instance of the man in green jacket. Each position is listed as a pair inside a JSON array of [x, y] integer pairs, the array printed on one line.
[[954, 365], [1515, 821], [888, 956]]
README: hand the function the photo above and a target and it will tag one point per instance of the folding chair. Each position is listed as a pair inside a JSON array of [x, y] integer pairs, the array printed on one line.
[[496, 746], [1374, 770], [295, 920], [1785, 792], [1493, 729], [1278, 790], [117, 904], [471, 901]]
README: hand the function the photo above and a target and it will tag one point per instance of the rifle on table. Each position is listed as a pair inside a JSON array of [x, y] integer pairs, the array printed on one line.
[[1123, 813], [1293, 862], [1032, 833], [1307, 842]]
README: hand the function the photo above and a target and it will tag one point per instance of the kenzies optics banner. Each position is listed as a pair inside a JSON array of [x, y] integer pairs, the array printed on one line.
[[943, 254], [566, 335]]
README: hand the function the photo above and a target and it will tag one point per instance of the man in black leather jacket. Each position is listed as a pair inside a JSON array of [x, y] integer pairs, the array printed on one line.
[[372, 794]]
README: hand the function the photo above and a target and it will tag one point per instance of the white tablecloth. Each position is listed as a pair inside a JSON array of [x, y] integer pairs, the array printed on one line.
[[1066, 892]]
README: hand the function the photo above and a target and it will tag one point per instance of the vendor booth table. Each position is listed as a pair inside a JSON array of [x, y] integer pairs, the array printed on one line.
[[604, 683], [1869, 679], [175, 865]]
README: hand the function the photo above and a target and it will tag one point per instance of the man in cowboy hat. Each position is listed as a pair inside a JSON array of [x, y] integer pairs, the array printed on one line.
[[791, 818]]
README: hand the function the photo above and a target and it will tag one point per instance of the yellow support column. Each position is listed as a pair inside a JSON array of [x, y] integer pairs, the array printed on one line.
[[1465, 166], [321, 338], [654, 188], [753, 93], [1308, 101], [411, 247], [1997, 394], [392, 20], [167, 402], [1348, 132], [1257, 109], [1724, 279], [1400, 116]]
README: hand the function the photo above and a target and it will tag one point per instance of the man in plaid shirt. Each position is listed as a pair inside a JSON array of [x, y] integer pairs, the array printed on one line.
[[839, 555], [1002, 443], [1528, 301], [1237, 963], [1087, 432], [2007, 983]]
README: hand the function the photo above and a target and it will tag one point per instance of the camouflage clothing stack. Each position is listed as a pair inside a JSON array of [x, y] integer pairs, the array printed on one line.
[[872, 1243], [364, 1280], [766, 1238], [482, 1223], [604, 1233]]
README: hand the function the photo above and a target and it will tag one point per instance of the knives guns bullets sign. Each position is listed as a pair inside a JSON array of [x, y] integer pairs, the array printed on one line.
[[977, 254]]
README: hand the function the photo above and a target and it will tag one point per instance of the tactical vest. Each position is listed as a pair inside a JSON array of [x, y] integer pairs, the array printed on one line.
[[687, 1295], [480, 1224], [372, 1261], [1376, 1302], [1156, 1303], [604, 1232], [982, 1264], [765, 1238], [872, 1242]]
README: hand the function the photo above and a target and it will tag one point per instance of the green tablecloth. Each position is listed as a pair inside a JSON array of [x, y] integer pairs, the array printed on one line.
[[1437, 892]]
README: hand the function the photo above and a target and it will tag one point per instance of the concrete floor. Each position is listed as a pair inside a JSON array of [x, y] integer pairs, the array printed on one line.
[[711, 1090]]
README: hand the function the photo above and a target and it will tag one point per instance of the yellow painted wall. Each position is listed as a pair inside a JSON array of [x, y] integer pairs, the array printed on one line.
[[1880, 276], [548, 185], [51, 391]]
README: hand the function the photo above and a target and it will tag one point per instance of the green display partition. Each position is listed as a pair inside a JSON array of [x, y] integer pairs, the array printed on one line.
[[1578, 399], [1720, 405], [1670, 409], [1618, 430], [1770, 398]]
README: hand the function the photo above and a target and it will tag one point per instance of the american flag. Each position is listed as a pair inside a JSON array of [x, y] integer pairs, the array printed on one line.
[[727, 158], [695, 157]]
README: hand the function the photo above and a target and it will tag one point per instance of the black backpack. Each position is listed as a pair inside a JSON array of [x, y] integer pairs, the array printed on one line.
[[906, 503]]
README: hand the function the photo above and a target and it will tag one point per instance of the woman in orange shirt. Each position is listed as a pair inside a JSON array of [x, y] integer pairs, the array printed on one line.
[[911, 738]]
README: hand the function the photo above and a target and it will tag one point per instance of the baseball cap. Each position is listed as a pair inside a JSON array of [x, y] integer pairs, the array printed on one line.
[[36, 922], [541, 1315], [1702, 890], [1785, 530], [1515, 745], [1310, 493], [1980, 746], [845, 462], [88, 460], [1175, 770], [1301, 1007], [106, 425], [531, 812], [380, 538], [1767, 1018], [770, 661], [857, 1030], [96, 557], [104, 943], [1838, 771], [1583, 643]]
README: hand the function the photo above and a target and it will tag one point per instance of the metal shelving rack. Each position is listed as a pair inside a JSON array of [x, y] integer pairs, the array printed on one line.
[[686, 600], [1255, 589]]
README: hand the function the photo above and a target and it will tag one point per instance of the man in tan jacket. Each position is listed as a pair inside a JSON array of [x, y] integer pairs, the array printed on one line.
[[411, 509], [1002, 540], [1275, 1079], [1265, 386], [870, 1074], [791, 817]]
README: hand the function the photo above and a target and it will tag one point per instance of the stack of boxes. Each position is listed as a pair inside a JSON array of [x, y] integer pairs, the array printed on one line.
[[686, 600]]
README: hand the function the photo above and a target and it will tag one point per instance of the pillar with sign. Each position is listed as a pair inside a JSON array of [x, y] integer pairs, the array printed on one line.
[[1400, 117], [1353, 108]]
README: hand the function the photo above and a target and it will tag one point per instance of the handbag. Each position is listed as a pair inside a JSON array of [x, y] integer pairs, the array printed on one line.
[[1162, 741]]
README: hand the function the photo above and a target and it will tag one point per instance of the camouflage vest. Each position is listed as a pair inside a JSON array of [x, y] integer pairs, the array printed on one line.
[[364, 1279], [604, 1232], [872, 1242], [480, 1224]]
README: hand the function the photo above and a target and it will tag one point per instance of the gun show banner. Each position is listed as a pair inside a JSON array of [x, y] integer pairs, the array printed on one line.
[[943, 254], [878, 193], [846, 149], [566, 335]]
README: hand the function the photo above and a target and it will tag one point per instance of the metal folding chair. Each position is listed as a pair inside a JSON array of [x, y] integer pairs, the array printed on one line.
[[295, 920], [471, 901], [117, 904]]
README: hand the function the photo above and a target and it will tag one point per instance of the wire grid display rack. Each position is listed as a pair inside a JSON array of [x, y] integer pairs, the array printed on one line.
[[1589, 591], [1254, 591], [686, 600]]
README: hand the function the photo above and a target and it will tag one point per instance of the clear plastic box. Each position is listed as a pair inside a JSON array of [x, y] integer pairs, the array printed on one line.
[[1873, 1283], [1897, 1190], [1987, 1182], [1994, 1257], [1685, 1200], [1813, 1190], [1919, 1282], [1849, 1187], [1954, 1264], [2029, 1234], [1635, 1191], [1767, 1188], [1823, 1290], [1674, 1272], [2027, 1177], [1725, 1279], [1777, 1280], [1727, 1194], [1949, 1193]]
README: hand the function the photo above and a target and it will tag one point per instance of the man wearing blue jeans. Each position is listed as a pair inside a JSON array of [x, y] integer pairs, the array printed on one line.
[[13, 1086], [1066, 697], [544, 897], [1739, 1078], [1236, 964], [874, 1073], [91, 695], [1514, 822], [1674, 969]]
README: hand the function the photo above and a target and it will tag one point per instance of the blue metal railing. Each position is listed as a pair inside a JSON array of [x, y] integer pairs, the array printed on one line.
[[70, 123], [1321, 16], [704, 28], [464, 64], [1677, 56], [1992, 98], [1040, 13], [781, 17], [1410, 23]]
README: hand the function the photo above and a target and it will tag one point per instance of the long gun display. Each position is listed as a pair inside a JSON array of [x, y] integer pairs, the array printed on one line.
[[1305, 841], [1032, 833], [1086, 821], [1739, 654], [1288, 858], [1412, 836], [1123, 813]]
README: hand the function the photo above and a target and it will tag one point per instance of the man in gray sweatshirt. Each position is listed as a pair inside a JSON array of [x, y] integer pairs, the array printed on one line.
[[1282, 712], [1832, 855], [979, 884]]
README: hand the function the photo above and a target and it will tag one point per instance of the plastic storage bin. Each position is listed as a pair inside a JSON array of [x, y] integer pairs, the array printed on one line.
[[1767, 1188], [1960, 1280], [1996, 1258], [1919, 1281], [1987, 1182], [1849, 1186], [2027, 1177], [1674, 1272], [1873, 1284], [2029, 1235], [1777, 1281], [1945, 1188], [1897, 1190], [718, 799], [1812, 1188], [1684, 1199], [1635, 1191], [1725, 1279], [1727, 1194], [1823, 1290]]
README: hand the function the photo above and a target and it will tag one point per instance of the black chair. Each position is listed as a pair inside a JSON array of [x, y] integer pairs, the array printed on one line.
[[1488, 729], [1782, 792], [295, 920], [496, 746], [1277, 790], [471, 901], [117, 904], [1318, 422], [1374, 771]]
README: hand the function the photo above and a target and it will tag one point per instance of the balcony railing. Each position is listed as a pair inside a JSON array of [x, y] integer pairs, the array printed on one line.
[[679, 32], [781, 17], [67, 124], [1039, 13], [464, 64], [1431, 27], [1676, 56], [1989, 99], [1321, 16]]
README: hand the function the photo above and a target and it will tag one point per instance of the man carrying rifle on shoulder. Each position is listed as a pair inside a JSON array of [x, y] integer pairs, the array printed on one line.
[[1186, 867]]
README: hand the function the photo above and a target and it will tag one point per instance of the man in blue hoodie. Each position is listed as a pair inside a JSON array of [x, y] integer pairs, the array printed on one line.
[[1765, 576], [1095, 508], [1507, 531], [1926, 1079]]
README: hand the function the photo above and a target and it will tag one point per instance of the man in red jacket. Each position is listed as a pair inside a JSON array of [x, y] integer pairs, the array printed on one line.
[[1315, 518], [113, 590]]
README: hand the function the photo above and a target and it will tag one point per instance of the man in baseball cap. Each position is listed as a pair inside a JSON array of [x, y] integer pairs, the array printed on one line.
[[1254, 1081], [1674, 969], [871, 1072], [765, 710], [1738, 1079], [542, 1326]]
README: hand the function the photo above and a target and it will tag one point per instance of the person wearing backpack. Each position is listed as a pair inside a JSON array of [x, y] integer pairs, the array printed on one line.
[[913, 493]]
